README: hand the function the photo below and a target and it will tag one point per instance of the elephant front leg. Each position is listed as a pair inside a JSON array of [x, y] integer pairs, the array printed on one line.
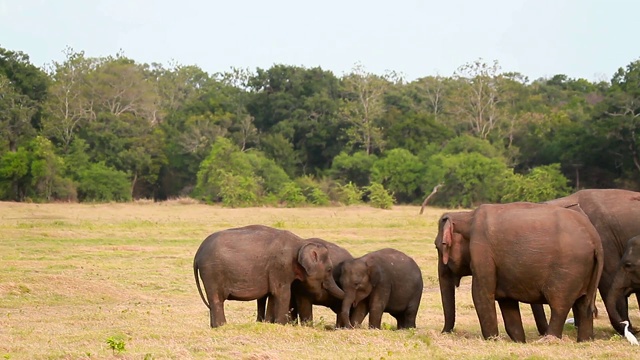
[[512, 320], [483, 293], [305, 310], [281, 299]]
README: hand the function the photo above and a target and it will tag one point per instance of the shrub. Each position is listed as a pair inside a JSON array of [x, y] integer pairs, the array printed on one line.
[[542, 183], [354, 168], [350, 194], [238, 190], [400, 172], [379, 197], [99, 182], [291, 195]]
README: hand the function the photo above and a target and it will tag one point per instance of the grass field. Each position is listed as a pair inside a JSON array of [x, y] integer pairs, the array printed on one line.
[[81, 281]]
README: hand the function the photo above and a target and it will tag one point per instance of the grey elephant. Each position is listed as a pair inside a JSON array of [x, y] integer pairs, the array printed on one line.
[[257, 261], [614, 213], [625, 281], [306, 294], [382, 281], [524, 252], [455, 263]]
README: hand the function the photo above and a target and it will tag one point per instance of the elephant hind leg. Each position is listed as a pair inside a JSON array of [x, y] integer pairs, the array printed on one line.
[[216, 311], [408, 317], [556, 322], [512, 320], [262, 308], [584, 318]]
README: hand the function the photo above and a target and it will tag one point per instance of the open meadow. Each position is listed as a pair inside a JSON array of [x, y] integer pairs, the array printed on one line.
[[100, 281]]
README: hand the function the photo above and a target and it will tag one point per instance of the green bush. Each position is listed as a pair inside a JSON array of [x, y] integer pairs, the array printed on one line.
[[312, 190], [542, 183], [400, 172], [350, 194], [379, 197], [469, 179], [99, 182], [291, 195], [238, 190], [354, 168]]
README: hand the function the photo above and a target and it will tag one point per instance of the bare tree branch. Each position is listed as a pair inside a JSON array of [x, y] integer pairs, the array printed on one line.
[[433, 192]]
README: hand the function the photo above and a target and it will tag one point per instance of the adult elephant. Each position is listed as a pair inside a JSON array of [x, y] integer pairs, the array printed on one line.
[[382, 281], [455, 263], [255, 261], [616, 216], [306, 293], [625, 281], [525, 252]]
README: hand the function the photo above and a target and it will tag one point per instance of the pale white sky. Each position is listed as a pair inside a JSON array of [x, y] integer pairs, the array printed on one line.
[[579, 38]]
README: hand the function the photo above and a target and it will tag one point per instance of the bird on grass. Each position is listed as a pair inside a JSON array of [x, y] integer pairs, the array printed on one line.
[[632, 339]]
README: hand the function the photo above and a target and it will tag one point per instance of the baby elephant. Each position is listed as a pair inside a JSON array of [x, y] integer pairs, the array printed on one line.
[[386, 280]]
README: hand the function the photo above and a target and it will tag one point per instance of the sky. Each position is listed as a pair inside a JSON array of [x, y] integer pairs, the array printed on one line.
[[588, 39]]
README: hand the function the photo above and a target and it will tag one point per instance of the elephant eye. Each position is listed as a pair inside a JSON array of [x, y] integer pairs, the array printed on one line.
[[627, 265]]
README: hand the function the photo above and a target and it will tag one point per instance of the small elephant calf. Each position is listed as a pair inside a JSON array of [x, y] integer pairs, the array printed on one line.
[[386, 280]]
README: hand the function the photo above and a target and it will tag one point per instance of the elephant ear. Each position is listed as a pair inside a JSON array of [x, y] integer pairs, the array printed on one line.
[[447, 240], [310, 255], [375, 274]]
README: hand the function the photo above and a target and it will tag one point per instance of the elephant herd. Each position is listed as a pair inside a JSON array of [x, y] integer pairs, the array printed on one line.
[[560, 253], [288, 274]]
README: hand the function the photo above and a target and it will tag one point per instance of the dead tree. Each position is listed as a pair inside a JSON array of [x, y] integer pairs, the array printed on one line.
[[424, 203]]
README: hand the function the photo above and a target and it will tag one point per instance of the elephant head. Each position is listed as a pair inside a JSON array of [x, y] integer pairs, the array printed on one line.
[[454, 260], [317, 269], [358, 278], [625, 281]]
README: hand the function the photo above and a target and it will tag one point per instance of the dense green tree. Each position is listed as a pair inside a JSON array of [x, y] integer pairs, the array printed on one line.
[[400, 172]]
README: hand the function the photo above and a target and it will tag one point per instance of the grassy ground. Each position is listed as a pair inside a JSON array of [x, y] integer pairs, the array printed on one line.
[[80, 281]]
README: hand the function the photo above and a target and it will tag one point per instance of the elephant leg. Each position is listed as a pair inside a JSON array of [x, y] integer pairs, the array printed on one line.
[[512, 320], [376, 308], [281, 299], [483, 285], [540, 318], [556, 322], [409, 316], [358, 314], [262, 308], [304, 309], [216, 311], [584, 318]]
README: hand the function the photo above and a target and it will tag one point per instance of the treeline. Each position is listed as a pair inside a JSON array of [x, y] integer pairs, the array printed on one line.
[[112, 129]]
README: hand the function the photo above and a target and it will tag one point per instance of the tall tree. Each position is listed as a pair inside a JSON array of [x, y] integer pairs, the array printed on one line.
[[362, 108]]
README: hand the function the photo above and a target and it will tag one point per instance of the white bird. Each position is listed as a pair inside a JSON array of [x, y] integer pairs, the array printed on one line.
[[632, 339]]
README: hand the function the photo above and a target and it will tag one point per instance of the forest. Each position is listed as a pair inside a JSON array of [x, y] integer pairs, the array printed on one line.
[[101, 129]]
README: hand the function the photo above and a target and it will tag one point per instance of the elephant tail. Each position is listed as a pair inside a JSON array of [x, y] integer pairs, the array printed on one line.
[[195, 274], [592, 289]]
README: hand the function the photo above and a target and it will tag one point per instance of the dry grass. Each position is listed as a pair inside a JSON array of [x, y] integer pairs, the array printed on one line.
[[73, 276]]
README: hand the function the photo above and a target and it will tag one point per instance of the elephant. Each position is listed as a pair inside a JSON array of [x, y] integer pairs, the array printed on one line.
[[451, 271], [306, 294], [625, 281], [251, 262], [614, 213], [526, 252], [386, 280]]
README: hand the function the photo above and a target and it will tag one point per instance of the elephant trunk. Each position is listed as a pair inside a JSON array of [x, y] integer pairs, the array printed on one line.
[[447, 281], [332, 287], [617, 290], [345, 312]]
